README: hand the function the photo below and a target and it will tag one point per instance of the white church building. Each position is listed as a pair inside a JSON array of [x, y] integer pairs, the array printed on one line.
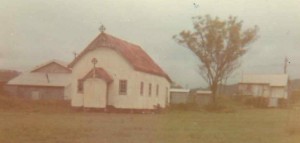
[[113, 72]]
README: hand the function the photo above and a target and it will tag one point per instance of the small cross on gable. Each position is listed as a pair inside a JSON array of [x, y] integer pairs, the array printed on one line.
[[94, 61], [102, 28]]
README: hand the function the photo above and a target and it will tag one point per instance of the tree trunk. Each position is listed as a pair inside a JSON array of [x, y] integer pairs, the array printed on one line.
[[213, 89]]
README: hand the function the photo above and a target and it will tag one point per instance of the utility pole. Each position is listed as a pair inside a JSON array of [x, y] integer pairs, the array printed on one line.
[[286, 62]]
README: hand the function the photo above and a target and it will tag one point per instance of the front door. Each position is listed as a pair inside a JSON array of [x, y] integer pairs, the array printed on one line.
[[94, 93]]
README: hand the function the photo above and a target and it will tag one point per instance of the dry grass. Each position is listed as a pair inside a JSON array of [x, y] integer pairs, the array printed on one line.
[[51, 122], [294, 130], [293, 124]]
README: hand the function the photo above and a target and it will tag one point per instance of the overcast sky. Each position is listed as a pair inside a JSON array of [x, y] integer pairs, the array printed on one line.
[[36, 31]]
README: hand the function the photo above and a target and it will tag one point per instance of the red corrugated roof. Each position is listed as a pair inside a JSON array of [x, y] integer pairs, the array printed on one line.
[[134, 54], [98, 73]]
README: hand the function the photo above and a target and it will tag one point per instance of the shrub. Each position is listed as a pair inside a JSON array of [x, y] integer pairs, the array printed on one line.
[[258, 102], [184, 107], [282, 103], [244, 99]]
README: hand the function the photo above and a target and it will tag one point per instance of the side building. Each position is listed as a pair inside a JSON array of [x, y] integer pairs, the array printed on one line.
[[51, 80], [271, 86]]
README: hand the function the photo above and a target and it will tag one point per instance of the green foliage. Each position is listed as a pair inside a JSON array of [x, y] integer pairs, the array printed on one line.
[[224, 105], [258, 102], [253, 101], [218, 44], [51, 122], [245, 126]]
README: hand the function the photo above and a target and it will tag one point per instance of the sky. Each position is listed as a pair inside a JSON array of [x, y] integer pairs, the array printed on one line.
[[34, 31]]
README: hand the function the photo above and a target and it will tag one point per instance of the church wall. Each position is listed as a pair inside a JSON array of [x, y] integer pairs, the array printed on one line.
[[120, 69]]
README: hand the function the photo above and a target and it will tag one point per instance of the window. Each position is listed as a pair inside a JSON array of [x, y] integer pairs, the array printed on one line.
[[80, 86], [157, 90], [142, 88], [123, 87], [150, 88]]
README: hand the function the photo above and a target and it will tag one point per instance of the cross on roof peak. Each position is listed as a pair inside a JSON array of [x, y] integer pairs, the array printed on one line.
[[102, 28]]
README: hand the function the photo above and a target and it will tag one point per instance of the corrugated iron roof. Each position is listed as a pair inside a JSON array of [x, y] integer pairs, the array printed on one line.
[[41, 79], [271, 79], [179, 90], [61, 63], [203, 92], [134, 54]]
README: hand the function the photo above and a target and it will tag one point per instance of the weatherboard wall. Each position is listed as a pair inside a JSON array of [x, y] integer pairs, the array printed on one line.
[[40, 92], [263, 90]]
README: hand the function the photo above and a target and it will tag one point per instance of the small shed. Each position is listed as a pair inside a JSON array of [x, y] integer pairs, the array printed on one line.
[[179, 96], [40, 86], [48, 81], [202, 97], [271, 86]]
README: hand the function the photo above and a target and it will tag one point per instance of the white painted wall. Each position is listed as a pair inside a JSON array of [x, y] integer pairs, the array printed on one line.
[[120, 69], [279, 92], [255, 89], [67, 92], [179, 97], [263, 90]]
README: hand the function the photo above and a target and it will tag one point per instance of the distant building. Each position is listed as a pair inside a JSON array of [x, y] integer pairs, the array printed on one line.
[[48, 81], [202, 97], [272, 86], [5, 76], [179, 95], [111, 72]]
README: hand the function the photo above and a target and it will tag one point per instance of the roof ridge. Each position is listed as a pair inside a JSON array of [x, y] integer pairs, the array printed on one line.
[[133, 53], [121, 40], [62, 63]]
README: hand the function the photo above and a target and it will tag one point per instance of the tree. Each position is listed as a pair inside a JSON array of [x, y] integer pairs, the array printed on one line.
[[218, 44]]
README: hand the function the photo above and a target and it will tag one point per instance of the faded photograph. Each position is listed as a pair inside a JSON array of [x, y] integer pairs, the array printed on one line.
[[150, 71]]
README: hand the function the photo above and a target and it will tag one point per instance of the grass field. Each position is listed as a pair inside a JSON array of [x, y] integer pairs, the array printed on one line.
[[50, 122]]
